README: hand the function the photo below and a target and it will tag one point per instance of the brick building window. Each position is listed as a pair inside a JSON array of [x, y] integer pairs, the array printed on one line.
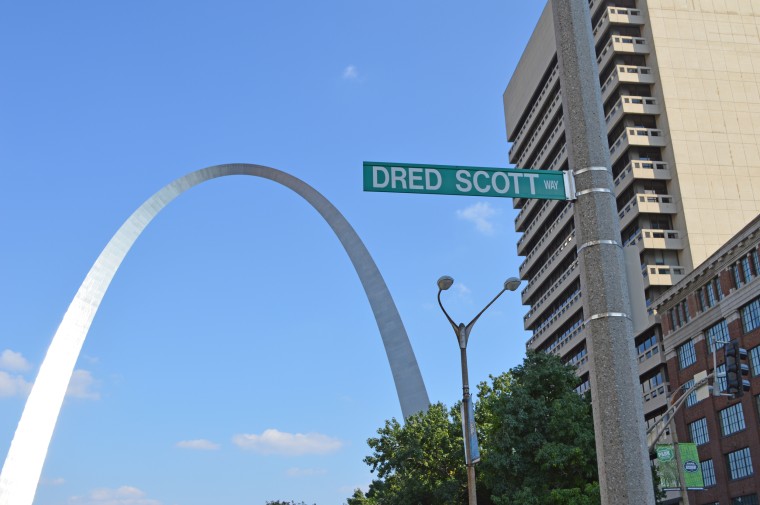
[[691, 400], [755, 261], [698, 431], [720, 377], [739, 464], [708, 472], [736, 275], [754, 360], [687, 356], [746, 271], [717, 332], [709, 294], [751, 315], [747, 499], [732, 419]]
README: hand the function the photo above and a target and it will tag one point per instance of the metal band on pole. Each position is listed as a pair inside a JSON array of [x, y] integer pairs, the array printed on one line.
[[598, 242], [590, 169], [607, 314], [593, 190]]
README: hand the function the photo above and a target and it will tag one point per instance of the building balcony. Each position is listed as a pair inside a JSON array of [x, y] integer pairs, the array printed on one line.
[[560, 315], [535, 109], [548, 237], [657, 239], [635, 136], [662, 275], [560, 285], [548, 119], [529, 231], [627, 74], [593, 6], [617, 16], [561, 253], [621, 44], [650, 359], [656, 398], [648, 203], [546, 148], [641, 170], [560, 159], [526, 211], [567, 342], [631, 105]]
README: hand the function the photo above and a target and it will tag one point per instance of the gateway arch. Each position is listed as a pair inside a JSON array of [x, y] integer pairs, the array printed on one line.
[[23, 465]]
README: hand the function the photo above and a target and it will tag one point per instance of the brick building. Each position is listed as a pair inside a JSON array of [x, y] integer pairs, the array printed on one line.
[[718, 301]]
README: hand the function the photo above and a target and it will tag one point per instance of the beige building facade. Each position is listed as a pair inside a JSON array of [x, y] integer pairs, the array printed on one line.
[[680, 85]]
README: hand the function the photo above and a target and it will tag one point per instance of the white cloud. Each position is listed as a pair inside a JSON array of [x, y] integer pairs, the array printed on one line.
[[125, 495], [58, 481], [351, 72], [479, 214], [273, 441], [305, 472], [81, 386], [13, 385], [198, 444], [462, 290], [13, 361]]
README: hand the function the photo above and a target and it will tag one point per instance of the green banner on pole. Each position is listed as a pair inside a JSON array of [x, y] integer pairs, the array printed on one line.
[[667, 467], [692, 469], [668, 471], [467, 181]]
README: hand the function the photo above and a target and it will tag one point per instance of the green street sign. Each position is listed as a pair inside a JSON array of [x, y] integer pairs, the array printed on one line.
[[467, 181]]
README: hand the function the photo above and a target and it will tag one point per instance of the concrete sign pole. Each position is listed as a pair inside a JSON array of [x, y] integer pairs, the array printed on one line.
[[624, 473]]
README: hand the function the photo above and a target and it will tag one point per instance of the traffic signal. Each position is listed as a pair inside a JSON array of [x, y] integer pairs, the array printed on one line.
[[736, 370]]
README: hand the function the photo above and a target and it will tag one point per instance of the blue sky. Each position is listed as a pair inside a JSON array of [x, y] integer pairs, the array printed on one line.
[[235, 358]]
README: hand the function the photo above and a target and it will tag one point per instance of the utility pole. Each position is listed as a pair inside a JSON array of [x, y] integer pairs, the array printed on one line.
[[624, 470]]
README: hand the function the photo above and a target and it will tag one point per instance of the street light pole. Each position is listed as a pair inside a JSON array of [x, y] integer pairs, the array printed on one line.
[[462, 332]]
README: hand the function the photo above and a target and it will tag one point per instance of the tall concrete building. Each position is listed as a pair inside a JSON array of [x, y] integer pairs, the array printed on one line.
[[680, 85]]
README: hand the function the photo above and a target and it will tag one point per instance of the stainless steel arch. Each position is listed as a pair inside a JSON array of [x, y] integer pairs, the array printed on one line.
[[23, 465]]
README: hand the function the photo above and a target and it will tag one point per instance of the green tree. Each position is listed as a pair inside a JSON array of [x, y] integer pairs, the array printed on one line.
[[419, 462], [538, 436], [536, 440]]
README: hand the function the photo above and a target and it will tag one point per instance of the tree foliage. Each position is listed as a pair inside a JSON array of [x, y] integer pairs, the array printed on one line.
[[418, 462], [536, 443], [539, 436]]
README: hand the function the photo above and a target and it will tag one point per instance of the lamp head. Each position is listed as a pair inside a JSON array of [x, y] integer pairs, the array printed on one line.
[[510, 284], [445, 283]]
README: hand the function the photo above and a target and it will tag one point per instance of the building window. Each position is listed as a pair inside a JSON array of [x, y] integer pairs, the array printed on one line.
[[720, 377], [687, 356], [732, 419], [739, 464], [691, 400], [684, 306], [717, 332], [754, 360], [745, 270], [736, 275], [747, 499], [701, 299], [583, 387], [710, 294], [751, 315], [755, 261], [648, 348], [698, 431], [708, 472]]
